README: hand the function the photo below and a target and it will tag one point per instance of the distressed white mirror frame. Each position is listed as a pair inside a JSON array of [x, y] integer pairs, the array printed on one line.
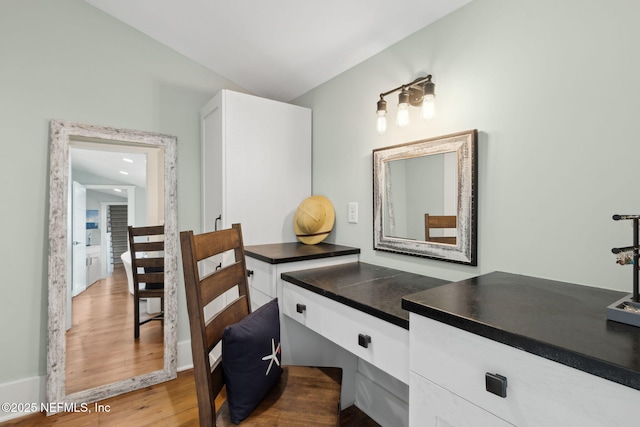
[[464, 144], [61, 134]]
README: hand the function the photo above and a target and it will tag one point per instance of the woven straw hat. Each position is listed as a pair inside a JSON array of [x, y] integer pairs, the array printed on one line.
[[314, 220]]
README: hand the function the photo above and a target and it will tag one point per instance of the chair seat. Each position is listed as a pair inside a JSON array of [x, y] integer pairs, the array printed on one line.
[[303, 396]]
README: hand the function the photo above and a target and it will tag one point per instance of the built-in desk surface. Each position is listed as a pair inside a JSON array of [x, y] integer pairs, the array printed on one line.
[[280, 253], [375, 290], [559, 321]]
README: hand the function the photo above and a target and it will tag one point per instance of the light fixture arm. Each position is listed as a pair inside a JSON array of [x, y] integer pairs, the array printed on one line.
[[419, 82]]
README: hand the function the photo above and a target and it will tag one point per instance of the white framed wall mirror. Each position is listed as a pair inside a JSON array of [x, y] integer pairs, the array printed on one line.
[[93, 170], [425, 198]]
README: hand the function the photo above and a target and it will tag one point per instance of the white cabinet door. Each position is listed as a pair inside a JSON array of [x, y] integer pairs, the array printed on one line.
[[212, 177], [79, 234], [212, 164], [256, 168]]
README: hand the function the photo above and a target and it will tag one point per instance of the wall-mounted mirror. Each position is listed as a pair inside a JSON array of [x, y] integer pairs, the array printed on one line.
[[102, 180], [424, 196]]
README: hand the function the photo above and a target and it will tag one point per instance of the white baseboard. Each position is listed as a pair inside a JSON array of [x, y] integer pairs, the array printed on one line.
[[185, 361], [382, 397], [31, 391]]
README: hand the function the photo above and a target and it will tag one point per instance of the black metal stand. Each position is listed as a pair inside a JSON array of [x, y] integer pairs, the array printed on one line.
[[627, 309], [635, 248]]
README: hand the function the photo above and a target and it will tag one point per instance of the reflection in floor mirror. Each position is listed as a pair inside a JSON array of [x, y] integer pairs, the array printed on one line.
[[100, 337]]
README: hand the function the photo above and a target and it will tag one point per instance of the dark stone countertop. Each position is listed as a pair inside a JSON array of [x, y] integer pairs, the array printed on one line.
[[278, 253], [559, 321], [375, 290]]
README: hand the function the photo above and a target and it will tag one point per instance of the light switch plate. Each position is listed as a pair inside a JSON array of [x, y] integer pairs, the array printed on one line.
[[353, 212]]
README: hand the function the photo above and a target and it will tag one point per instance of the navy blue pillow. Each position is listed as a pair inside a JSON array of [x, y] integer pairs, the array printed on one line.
[[251, 359]]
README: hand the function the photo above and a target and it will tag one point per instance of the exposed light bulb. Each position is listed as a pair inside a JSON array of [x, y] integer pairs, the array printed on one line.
[[428, 107], [381, 123], [402, 118]]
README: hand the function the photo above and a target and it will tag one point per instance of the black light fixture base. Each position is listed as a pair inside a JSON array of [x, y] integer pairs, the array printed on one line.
[[416, 95]]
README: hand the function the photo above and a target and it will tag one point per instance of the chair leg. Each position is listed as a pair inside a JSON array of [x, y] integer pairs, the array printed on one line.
[[136, 318]]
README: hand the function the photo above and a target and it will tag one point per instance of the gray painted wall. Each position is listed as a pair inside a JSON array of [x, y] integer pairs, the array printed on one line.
[[66, 60], [552, 88]]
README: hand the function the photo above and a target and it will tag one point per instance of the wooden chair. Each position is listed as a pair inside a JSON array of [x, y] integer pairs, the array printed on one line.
[[303, 396], [146, 245], [442, 221]]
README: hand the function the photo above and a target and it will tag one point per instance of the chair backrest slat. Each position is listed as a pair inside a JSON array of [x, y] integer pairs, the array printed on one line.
[[224, 240], [442, 221], [220, 281], [147, 246], [232, 313], [150, 262], [147, 231], [151, 277]]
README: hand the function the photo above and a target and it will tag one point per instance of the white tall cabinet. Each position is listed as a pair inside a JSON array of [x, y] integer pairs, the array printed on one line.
[[256, 169], [256, 165]]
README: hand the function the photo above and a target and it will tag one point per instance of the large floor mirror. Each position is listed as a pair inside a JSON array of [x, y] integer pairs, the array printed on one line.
[[103, 180]]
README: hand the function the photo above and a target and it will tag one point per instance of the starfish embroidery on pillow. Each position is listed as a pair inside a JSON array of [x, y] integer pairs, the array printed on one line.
[[273, 356]]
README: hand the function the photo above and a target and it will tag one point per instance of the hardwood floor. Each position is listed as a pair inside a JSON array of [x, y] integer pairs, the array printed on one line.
[[173, 403], [100, 344]]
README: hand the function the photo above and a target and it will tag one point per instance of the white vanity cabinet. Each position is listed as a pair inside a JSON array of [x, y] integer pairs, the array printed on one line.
[[503, 348], [94, 267], [448, 385], [256, 165]]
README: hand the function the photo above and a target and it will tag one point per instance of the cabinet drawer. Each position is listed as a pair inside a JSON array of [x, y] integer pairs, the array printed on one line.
[[258, 298], [380, 343], [539, 392], [433, 406], [263, 277]]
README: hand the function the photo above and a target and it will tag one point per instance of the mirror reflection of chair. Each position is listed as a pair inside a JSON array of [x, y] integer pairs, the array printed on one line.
[[301, 395], [440, 222], [146, 245]]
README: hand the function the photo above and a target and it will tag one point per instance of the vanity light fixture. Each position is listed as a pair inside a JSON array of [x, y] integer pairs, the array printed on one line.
[[418, 93]]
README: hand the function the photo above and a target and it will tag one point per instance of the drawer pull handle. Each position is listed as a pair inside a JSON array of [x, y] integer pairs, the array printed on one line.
[[249, 273], [496, 384], [364, 340], [301, 308]]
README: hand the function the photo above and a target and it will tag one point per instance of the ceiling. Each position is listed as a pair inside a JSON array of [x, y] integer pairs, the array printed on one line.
[[101, 162], [278, 49]]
